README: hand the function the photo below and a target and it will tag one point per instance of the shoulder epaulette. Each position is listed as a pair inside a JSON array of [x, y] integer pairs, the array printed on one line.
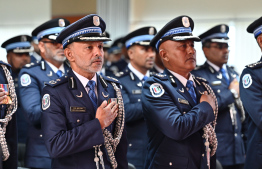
[[199, 67], [122, 73], [255, 65], [5, 63], [32, 64], [110, 79], [58, 81], [160, 76]]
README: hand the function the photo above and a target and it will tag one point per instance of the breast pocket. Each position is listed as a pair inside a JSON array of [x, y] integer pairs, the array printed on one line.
[[79, 115]]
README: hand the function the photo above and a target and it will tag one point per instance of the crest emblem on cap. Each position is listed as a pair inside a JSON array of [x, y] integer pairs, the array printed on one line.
[[23, 38], [96, 21], [151, 31], [61, 22], [223, 28], [185, 21]]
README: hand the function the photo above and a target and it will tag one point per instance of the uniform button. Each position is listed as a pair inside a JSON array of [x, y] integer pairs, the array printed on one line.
[[218, 91], [203, 155], [138, 100], [77, 120], [41, 135], [170, 163], [130, 145], [235, 134], [184, 112]]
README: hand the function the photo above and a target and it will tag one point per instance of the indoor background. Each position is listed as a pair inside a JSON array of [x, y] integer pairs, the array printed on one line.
[[122, 16]]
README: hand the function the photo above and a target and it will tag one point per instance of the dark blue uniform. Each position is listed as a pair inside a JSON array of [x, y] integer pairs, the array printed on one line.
[[175, 123], [11, 129], [32, 79], [135, 123], [250, 92], [70, 127], [230, 149]]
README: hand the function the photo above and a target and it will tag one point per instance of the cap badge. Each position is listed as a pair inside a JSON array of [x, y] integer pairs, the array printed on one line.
[[23, 38], [223, 28], [185, 21], [61, 22], [96, 21], [151, 31]]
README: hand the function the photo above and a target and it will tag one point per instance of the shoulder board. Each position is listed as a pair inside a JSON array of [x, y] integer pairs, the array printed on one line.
[[110, 79], [160, 76], [201, 79], [122, 73], [58, 81], [32, 64], [5, 63], [255, 65], [199, 67]]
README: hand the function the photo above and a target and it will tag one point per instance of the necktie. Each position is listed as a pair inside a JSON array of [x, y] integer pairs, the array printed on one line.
[[91, 93], [223, 71], [59, 73], [191, 90], [144, 78]]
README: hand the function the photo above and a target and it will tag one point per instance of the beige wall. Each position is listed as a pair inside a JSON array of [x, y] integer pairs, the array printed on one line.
[[73, 7]]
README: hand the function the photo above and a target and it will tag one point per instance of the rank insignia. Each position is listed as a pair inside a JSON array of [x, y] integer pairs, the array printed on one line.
[[246, 80], [25, 80], [183, 101], [156, 90], [46, 101]]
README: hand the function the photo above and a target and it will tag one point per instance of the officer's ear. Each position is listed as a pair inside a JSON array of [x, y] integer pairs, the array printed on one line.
[[259, 41], [41, 46], [163, 54], [69, 54], [130, 52]]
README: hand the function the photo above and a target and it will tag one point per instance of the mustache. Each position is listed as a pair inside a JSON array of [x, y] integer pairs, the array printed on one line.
[[97, 58]]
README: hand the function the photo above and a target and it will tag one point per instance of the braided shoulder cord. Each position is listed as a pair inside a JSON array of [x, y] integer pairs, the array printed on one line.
[[110, 141], [11, 108], [209, 130]]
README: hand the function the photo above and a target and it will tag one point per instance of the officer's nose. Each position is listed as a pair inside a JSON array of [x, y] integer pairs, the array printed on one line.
[[98, 51], [191, 49], [151, 52]]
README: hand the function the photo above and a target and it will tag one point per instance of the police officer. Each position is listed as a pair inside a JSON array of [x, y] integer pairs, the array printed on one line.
[[35, 54], [224, 82], [8, 142], [142, 57], [177, 106], [33, 78], [18, 49], [250, 92], [158, 66], [82, 129]]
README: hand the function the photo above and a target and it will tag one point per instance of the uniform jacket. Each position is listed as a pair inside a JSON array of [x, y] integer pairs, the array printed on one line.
[[11, 129], [251, 96], [71, 134], [175, 124], [30, 88], [230, 149], [135, 123]]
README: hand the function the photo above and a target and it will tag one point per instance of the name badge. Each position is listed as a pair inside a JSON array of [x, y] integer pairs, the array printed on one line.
[[216, 83], [139, 91], [77, 109], [183, 101]]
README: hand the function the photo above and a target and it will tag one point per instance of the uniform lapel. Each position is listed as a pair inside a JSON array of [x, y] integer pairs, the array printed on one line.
[[79, 93], [180, 88], [101, 92]]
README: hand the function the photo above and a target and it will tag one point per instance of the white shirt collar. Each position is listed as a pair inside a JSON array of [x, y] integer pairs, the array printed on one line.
[[182, 79], [55, 68], [216, 67], [137, 73]]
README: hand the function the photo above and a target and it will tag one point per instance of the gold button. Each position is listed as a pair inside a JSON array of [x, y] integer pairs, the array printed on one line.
[[203, 155], [138, 100], [184, 112], [218, 91], [77, 120], [170, 163], [41, 135], [130, 145]]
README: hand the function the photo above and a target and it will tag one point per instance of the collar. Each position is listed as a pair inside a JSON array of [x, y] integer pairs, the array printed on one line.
[[182, 79], [137, 73], [158, 69], [55, 68], [84, 80], [216, 67]]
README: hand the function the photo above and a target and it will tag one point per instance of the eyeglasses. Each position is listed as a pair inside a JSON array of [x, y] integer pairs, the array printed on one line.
[[220, 46]]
